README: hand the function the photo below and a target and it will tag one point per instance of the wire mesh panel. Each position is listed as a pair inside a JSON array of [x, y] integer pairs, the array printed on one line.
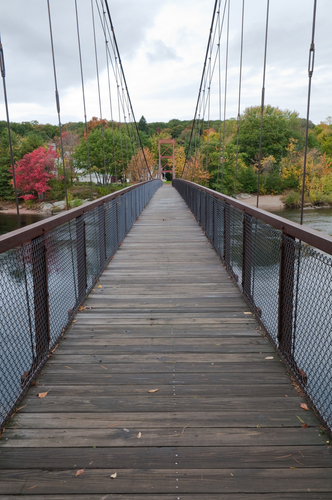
[[312, 320], [44, 282], [17, 330], [287, 283], [236, 243], [61, 274]]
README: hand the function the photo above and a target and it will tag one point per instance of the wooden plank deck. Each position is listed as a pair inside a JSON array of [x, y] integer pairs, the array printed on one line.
[[225, 422]]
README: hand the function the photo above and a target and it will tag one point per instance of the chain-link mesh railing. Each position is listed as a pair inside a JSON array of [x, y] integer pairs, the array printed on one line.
[[287, 282], [44, 281]]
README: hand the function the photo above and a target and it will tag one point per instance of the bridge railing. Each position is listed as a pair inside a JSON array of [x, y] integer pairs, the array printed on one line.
[[284, 271], [46, 271]]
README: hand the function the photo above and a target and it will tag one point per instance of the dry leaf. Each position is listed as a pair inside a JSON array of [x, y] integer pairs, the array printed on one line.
[[246, 312], [113, 476], [33, 487], [139, 435], [75, 321], [101, 366], [81, 308], [304, 426], [79, 472], [304, 406], [99, 286], [93, 290], [68, 367], [300, 419], [153, 390], [269, 357], [42, 394]]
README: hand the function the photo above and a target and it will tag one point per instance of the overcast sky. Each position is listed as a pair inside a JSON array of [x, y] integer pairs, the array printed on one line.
[[162, 45]]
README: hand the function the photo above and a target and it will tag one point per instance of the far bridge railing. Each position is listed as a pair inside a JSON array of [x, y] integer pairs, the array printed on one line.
[[284, 271], [46, 271]]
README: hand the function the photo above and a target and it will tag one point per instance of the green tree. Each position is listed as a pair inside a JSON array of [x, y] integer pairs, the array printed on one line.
[[116, 157], [276, 133], [143, 126]]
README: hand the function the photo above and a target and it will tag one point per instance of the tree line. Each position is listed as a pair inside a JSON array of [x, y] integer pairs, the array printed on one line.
[[211, 160]]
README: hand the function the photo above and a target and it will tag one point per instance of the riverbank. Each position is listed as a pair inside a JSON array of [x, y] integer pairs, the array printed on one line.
[[268, 202]]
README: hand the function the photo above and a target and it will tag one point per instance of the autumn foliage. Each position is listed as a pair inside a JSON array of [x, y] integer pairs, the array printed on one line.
[[195, 170], [34, 171], [140, 166]]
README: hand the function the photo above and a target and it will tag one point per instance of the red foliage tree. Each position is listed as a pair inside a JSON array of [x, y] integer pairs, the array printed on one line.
[[35, 169]]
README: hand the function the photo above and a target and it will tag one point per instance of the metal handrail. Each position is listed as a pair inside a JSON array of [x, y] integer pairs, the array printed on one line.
[[18, 237], [305, 234]]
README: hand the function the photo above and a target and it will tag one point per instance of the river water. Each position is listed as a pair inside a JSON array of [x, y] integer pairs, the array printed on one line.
[[317, 218], [8, 222]]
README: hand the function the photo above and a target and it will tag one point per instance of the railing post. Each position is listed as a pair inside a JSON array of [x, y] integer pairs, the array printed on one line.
[[81, 257], [227, 235], [102, 236], [212, 223], [286, 297], [117, 222], [40, 297], [246, 256]]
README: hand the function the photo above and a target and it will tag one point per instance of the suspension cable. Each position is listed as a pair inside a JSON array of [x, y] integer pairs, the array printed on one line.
[[219, 96], [263, 99], [126, 86], [109, 91], [83, 94], [98, 84], [310, 73], [57, 100], [202, 78], [3, 74], [225, 102], [238, 120]]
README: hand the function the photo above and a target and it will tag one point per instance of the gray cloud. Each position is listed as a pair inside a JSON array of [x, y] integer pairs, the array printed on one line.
[[25, 35], [161, 53]]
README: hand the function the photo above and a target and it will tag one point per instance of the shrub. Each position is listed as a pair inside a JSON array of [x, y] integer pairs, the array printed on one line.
[[292, 199]]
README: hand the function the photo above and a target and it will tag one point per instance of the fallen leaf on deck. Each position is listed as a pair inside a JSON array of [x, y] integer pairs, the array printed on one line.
[[153, 390], [79, 472], [42, 394], [113, 476], [304, 426], [75, 321], [300, 419], [101, 366], [269, 357], [93, 290], [304, 406], [139, 435], [246, 312], [81, 308], [33, 487], [68, 367], [99, 286]]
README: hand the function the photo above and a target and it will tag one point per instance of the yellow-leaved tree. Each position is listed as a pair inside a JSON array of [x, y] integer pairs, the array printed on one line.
[[179, 161], [195, 170], [140, 166]]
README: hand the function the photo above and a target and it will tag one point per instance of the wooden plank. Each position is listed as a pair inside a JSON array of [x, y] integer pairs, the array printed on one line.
[[170, 390], [184, 496], [192, 436], [117, 420], [159, 403], [165, 481], [217, 457]]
